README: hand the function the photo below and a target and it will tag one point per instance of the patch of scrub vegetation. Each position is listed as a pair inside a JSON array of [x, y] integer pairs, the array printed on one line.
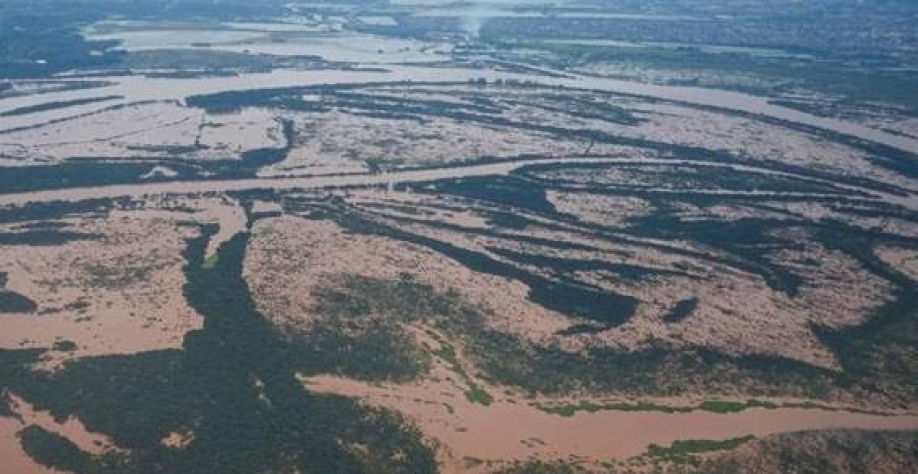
[[880, 356], [257, 158], [44, 237], [59, 453], [5, 408], [657, 371], [207, 387], [684, 177], [725, 406], [74, 173], [368, 350], [64, 345], [684, 454], [541, 467], [568, 410], [695, 446], [681, 310], [37, 211], [210, 262], [836, 451], [566, 296], [713, 406], [57, 105], [114, 276], [502, 191], [474, 393], [663, 370], [359, 328]]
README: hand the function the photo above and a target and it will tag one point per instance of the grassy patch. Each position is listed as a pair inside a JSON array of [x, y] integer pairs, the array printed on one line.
[[541, 467], [568, 410], [64, 346], [685, 452], [719, 406], [474, 393], [210, 262], [695, 446]]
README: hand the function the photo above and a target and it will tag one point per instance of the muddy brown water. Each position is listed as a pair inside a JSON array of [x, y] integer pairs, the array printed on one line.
[[138, 88]]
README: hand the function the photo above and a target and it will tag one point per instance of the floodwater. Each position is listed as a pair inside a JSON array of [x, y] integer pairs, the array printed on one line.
[[331, 181], [218, 186], [274, 38], [138, 88], [516, 430], [14, 458]]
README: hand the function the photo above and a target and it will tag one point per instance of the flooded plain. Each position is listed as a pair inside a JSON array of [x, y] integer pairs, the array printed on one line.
[[140, 88]]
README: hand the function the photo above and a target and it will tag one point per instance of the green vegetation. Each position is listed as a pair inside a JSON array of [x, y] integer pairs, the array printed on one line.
[[681, 310], [207, 388], [64, 346], [5, 408], [568, 410], [843, 451], [471, 463], [474, 393], [57, 105], [855, 78], [718, 406], [684, 452], [42, 237], [541, 467], [259, 157], [713, 406], [38, 45], [56, 452], [211, 261], [659, 370], [359, 332], [74, 173], [694, 446]]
